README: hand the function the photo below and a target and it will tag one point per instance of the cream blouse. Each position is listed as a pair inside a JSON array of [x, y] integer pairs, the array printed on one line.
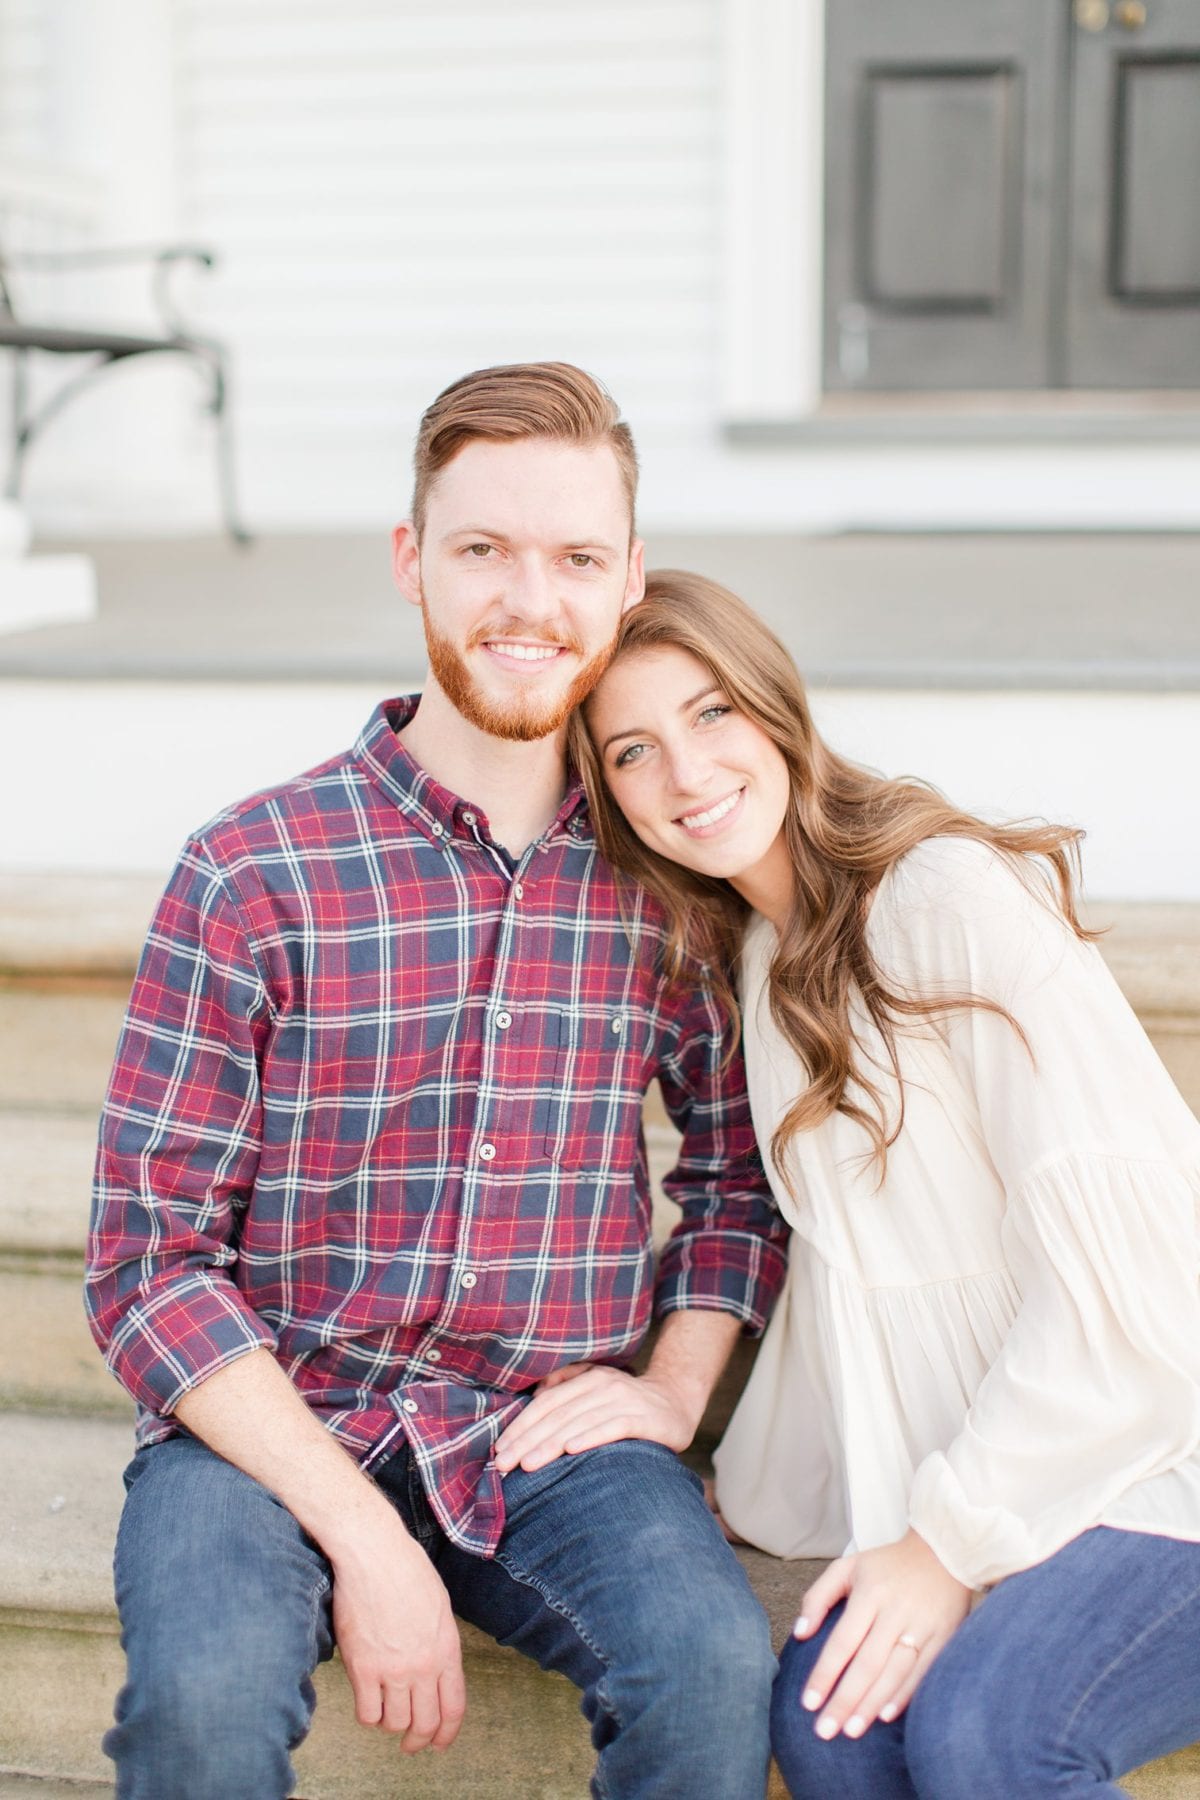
[[1001, 1343]]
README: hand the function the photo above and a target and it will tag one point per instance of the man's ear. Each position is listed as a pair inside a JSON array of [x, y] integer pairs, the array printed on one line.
[[406, 562], [635, 585]]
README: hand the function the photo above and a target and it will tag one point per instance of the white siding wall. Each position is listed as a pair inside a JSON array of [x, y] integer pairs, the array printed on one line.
[[24, 98], [405, 191], [401, 190]]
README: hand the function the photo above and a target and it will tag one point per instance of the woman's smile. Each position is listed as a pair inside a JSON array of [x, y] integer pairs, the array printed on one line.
[[704, 822]]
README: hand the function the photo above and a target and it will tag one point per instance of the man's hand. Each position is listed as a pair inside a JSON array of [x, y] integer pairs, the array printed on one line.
[[902, 1607], [398, 1640], [587, 1404], [584, 1405]]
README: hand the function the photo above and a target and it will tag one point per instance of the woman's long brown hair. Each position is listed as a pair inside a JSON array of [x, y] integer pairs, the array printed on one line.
[[845, 826]]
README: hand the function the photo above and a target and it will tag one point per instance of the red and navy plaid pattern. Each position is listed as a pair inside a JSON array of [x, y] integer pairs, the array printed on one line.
[[377, 1105]]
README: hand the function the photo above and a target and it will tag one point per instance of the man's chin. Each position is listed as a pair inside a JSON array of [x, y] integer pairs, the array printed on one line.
[[515, 725], [513, 718]]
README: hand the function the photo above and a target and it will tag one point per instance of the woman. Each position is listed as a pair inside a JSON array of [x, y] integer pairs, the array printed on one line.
[[985, 1373]]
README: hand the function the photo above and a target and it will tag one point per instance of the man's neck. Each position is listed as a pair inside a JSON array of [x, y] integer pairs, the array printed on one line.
[[519, 786]]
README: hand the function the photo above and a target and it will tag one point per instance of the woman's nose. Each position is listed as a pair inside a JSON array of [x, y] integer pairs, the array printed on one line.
[[688, 769]]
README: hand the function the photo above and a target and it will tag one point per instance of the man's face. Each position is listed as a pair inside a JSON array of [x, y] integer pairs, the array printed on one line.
[[522, 573]]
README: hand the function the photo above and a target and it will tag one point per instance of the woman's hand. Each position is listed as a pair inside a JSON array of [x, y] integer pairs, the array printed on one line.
[[902, 1607]]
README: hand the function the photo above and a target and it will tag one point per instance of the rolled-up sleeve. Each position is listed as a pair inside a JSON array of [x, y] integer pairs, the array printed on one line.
[[729, 1251], [179, 1147]]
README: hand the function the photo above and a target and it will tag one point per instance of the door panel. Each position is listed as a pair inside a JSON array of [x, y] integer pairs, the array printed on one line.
[[940, 157], [940, 183], [1133, 283], [1155, 219]]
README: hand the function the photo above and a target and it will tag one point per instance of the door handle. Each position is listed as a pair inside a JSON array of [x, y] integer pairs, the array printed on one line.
[[1091, 15], [1130, 14]]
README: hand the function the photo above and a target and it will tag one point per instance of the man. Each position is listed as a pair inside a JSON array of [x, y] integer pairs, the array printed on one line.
[[371, 1176]]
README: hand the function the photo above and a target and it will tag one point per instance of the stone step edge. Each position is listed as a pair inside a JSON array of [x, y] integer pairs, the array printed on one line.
[[476, 1643], [769, 1576], [72, 930]]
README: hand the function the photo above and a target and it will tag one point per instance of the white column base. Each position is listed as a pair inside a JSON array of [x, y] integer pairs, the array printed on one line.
[[40, 590]]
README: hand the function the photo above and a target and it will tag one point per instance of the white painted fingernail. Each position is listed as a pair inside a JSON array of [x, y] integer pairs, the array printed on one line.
[[854, 1726], [826, 1728], [887, 1713], [800, 1628], [810, 1699]]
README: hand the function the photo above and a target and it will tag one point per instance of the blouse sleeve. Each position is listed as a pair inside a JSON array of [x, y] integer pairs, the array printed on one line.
[[1097, 1385]]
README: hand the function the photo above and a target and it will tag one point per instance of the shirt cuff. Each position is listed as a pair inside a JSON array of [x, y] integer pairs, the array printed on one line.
[[732, 1272], [179, 1335]]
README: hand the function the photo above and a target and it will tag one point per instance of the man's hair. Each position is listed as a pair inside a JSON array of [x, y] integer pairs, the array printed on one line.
[[521, 400]]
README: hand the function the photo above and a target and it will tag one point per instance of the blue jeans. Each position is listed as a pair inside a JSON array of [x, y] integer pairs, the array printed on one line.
[[611, 1570], [1068, 1675]]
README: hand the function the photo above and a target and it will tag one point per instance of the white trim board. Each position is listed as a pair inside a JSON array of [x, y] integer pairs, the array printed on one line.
[[115, 774]]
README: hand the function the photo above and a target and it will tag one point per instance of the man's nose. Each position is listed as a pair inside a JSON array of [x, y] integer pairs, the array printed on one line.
[[532, 596]]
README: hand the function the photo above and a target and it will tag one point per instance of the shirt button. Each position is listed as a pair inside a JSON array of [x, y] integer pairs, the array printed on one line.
[[469, 1279], [438, 830], [503, 1021], [519, 891], [468, 818], [486, 1152], [617, 1026], [410, 1406], [433, 1354]]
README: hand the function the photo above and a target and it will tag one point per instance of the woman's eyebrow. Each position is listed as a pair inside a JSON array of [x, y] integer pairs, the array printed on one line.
[[640, 730]]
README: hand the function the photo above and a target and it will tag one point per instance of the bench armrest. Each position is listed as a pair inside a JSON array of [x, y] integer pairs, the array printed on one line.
[[162, 258]]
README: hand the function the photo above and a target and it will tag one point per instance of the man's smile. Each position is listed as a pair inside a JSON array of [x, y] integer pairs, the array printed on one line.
[[513, 651]]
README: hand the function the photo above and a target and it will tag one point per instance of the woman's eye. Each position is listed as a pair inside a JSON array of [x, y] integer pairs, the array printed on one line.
[[715, 711], [629, 754]]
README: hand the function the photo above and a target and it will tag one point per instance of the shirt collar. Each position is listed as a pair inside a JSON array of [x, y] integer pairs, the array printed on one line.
[[437, 813]]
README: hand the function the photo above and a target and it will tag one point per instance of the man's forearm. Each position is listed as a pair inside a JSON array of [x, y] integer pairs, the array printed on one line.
[[251, 1414], [391, 1612], [690, 1355]]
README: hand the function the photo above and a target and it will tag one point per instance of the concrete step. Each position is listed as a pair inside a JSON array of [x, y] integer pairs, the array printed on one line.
[[60, 1499], [69, 945], [66, 958]]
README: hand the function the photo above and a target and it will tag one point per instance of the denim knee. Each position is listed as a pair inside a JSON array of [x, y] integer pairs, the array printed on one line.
[[707, 1655], [866, 1768]]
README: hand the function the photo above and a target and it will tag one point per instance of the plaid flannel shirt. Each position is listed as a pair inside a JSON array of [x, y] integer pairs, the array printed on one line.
[[377, 1106]]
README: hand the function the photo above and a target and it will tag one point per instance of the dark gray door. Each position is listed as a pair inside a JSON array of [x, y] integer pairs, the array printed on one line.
[[941, 150], [1133, 282]]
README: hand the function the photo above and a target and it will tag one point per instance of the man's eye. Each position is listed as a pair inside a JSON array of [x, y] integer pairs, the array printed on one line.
[[629, 754], [480, 549], [581, 560]]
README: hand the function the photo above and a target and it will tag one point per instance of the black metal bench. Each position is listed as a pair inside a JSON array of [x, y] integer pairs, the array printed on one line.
[[105, 349]]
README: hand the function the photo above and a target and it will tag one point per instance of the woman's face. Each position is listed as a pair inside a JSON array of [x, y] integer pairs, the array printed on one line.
[[698, 781]]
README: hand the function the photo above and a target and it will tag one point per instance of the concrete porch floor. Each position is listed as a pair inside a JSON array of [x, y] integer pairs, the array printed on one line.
[[1112, 612]]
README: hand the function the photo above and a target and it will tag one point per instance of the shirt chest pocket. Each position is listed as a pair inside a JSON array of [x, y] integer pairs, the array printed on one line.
[[587, 1111]]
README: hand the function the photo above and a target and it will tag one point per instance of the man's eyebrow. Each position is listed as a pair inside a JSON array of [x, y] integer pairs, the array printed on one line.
[[639, 730], [474, 531]]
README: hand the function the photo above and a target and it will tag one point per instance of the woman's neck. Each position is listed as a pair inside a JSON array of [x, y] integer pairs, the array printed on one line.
[[770, 885]]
